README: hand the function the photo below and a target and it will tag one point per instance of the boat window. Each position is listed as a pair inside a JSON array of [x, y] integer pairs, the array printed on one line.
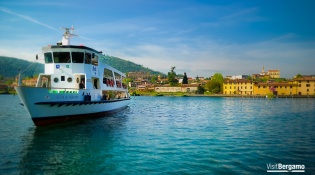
[[108, 77], [95, 60], [77, 57], [88, 57], [118, 79], [69, 79], [62, 57], [48, 57]]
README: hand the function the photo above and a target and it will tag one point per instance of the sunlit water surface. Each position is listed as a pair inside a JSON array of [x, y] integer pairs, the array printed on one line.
[[164, 135]]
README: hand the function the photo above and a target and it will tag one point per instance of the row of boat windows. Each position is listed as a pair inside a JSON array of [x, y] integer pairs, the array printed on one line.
[[71, 57]]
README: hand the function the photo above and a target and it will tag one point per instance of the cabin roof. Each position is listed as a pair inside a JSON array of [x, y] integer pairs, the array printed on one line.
[[74, 46]]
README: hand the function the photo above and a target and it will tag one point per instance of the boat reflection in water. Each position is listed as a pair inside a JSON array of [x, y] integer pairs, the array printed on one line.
[[83, 147]]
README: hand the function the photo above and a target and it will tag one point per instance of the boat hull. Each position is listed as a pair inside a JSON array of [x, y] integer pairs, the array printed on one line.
[[46, 108]]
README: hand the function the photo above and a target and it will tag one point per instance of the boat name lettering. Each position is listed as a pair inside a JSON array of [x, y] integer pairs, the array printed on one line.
[[67, 97]]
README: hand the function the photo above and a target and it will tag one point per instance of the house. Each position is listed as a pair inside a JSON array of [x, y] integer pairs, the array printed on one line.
[[189, 87], [145, 87], [283, 88], [306, 85], [30, 82], [235, 77], [238, 86], [274, 73], [182, 88]]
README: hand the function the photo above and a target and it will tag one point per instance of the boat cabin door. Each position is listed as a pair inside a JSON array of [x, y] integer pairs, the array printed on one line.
[[96, 83], [43, 81], [79, 78]]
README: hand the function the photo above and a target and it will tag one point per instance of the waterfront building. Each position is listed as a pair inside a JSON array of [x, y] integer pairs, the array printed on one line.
[[140, 74], [27, 82], [30, 82], [238, 87], [283, 88], [306, 85], [145, 87], [182, 88], [189, 87]]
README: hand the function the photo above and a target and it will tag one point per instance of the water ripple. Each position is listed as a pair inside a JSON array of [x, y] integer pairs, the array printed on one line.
[[165, 135]]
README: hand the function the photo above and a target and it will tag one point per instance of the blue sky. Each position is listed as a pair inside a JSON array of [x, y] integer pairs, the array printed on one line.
[[197, 37]]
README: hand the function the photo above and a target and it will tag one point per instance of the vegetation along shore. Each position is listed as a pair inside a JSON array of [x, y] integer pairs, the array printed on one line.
[[146, 82]]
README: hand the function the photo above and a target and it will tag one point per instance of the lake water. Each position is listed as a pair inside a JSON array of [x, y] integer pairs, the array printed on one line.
[[164, 135]]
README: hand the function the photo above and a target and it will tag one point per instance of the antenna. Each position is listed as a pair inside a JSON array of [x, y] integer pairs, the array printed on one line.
[[67, 35]]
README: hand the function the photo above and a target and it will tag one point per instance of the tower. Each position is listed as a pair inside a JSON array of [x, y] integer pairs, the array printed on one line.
[[263, 70]]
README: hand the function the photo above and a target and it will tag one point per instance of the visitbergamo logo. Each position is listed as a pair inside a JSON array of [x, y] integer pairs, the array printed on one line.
[[279, 167]]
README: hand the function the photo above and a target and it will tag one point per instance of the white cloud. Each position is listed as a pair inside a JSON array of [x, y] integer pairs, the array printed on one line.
[[169, 39], [205, 58]]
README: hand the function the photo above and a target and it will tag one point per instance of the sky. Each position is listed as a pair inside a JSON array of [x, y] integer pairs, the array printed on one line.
[[199, 37]]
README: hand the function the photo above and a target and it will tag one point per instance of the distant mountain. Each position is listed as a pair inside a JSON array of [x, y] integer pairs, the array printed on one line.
[[128, 66], [9, 67]]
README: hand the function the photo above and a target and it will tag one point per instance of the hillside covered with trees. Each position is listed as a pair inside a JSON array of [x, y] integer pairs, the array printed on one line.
[[127, 66], [10, 67]]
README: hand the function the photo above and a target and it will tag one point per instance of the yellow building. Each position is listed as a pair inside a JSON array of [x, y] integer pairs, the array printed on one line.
[[286, 88], [238, 87], [306, 85], [274, 73]]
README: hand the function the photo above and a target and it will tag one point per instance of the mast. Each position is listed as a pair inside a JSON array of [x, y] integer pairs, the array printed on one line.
[[67, 35]]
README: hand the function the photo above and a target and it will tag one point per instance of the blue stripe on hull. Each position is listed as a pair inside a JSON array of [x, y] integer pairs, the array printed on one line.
[[44, 121]]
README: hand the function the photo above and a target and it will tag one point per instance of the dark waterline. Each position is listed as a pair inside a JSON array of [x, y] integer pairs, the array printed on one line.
[[164, 135]]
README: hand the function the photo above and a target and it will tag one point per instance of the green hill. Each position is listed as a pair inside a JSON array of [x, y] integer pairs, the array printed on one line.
[[128, 66], [9, 67]]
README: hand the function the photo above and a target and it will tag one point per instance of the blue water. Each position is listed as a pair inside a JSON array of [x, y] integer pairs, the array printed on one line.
[[164, 135]]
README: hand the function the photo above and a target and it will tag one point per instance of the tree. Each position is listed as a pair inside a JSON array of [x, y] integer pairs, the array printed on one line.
[[298, 76], [197, 79], [215, 85], [200, 90], [185, 79], [153, 79], [172, 77]]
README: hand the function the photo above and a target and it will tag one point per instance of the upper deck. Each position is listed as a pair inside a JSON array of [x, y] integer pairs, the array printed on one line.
[[65, 63], [73, 59]]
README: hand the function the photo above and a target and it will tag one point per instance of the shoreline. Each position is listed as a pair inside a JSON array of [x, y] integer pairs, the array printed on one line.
[[223, 95], [208, 95]]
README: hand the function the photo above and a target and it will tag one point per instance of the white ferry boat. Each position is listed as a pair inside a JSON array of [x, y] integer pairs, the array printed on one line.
[[76, 84]]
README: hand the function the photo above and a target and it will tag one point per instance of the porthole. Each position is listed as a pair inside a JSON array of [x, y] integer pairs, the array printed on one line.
[[56, 80], [69, 79]]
